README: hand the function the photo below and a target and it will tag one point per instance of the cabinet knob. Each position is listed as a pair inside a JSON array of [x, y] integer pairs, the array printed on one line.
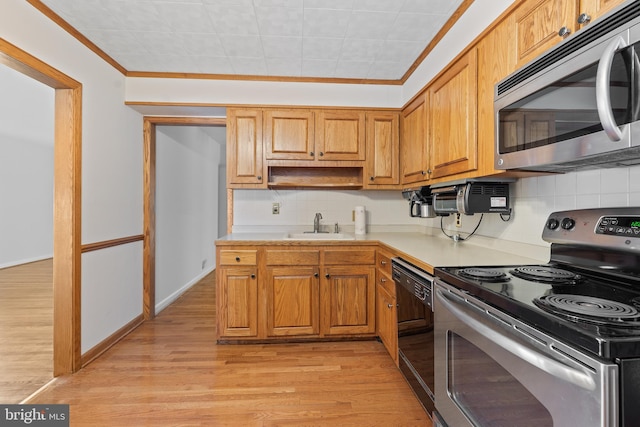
[[383, 280], [237, 259], [259, 177], [253, 276], [371, 178], [321, 153], [429, 171], [383, 262], [327, 275], [311, 153], [315, 274], [564, 32], [423, 172], [584, 18]]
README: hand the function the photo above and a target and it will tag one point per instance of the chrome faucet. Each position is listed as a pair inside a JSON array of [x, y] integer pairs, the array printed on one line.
[[316, 223]]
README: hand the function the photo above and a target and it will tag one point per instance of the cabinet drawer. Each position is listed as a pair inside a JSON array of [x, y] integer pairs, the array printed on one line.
[[386, 281], [349, 256], [383, 261], [288, 257], [238, 257]]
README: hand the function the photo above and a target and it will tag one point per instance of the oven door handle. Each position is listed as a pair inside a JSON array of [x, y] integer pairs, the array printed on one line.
[[537, 359]]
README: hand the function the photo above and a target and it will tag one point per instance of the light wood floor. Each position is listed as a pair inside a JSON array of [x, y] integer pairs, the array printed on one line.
[[26, 329], [170, 372]]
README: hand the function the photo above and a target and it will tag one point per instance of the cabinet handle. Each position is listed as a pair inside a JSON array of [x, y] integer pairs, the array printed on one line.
[[237, 259], [389, 306], [584, 18], [327, 275], [311, 153], [564, 32], [253, 276]]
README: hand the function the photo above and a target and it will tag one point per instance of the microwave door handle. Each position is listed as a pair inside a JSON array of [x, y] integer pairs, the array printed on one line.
[[537, 359], [603, 97]]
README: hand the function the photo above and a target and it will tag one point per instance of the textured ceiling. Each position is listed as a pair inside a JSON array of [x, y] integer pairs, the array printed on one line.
[[354, 39]]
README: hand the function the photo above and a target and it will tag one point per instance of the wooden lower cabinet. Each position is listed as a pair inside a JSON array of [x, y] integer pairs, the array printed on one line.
[[348, 300], [237, 302], [293, 306], [386, 321]]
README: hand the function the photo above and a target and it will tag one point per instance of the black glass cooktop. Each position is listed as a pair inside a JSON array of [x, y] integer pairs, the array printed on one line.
[[596, 312]]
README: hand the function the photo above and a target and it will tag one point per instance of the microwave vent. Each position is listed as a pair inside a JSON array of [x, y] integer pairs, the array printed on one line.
[[581, 39]]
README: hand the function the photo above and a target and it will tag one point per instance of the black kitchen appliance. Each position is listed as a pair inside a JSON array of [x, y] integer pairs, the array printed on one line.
[[471, 196], [559, 342], [415, 328], [420, 202]]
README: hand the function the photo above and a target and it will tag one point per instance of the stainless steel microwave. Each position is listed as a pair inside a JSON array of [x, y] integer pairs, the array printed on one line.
[[577, 106]]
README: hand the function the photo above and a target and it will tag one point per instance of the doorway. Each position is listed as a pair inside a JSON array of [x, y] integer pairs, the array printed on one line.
[[66, 202]]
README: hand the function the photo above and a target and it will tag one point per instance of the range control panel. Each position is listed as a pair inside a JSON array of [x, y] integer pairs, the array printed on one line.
[[601, 227], [619, 226]]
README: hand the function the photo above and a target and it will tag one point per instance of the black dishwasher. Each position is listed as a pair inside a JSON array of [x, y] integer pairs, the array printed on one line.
[[415, 328]]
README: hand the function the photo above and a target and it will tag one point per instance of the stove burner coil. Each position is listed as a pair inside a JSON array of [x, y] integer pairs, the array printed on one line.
[[546, 275], [485, 274], [588, 306]]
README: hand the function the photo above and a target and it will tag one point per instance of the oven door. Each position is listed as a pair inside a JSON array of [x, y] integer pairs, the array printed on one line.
[[492, 370]]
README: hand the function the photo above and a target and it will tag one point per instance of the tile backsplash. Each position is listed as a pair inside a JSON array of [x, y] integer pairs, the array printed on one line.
[[532, 200]]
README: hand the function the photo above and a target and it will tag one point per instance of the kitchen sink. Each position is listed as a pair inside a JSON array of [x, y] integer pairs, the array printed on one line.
[[318, 236]]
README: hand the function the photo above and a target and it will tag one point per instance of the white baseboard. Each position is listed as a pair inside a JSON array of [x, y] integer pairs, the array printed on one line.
[[25, 261], [174, 296]]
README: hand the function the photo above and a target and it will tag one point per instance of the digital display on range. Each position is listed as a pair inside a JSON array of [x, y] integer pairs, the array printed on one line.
[[619, 225]]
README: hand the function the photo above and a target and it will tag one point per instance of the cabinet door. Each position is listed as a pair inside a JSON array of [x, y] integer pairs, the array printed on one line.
[[293, 306], [244, 148], [538, 23], [386, 321], [348, 300], [382, 166], [413, 141], [452, 119], [496, 60], [289, 135], [340, 135], [237, 302], [596, 8]]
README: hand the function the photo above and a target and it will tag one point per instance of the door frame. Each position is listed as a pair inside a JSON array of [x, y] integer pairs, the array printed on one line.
[[149, 195], [66, 203]]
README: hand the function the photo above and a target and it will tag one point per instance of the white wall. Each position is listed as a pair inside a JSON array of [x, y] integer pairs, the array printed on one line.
[[26, 169], [187, 163], [111, 169]]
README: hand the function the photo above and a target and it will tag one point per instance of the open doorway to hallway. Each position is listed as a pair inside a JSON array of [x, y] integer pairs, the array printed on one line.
[[26, 234]]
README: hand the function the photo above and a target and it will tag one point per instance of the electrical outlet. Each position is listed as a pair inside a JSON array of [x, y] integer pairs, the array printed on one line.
[[275, 209], [458, 220], [204, 263]]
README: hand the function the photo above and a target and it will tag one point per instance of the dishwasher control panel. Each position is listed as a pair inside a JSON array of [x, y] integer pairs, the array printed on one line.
[[415, 280]]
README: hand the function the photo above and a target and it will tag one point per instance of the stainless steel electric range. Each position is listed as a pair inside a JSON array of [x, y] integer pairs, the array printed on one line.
[[545, 345]]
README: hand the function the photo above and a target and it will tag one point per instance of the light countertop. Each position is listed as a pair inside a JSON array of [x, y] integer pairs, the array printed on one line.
[[427, 249]]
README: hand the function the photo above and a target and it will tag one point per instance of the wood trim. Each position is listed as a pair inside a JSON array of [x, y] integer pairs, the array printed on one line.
[[149, 194], [247, 77], [67, 203], [249, 106], [438, 38], [188, 121], [111, 243], [229, 210], [93, 353], [76, 34]]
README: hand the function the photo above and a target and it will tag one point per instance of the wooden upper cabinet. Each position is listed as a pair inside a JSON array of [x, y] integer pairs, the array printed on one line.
[[538, 24], [244, 148], [289, 135], [453, 117], [383, 146], [340, 135], [413, 141], [496, 60], [593, 9]]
